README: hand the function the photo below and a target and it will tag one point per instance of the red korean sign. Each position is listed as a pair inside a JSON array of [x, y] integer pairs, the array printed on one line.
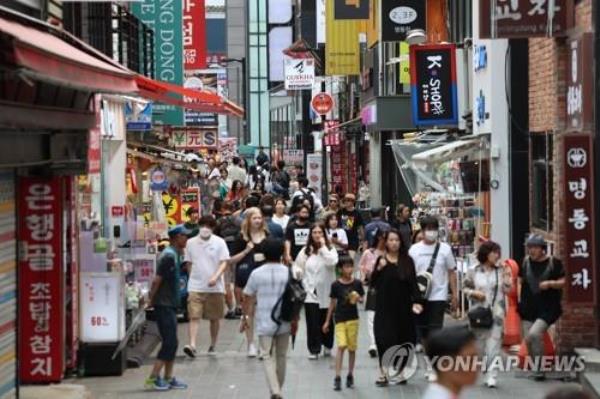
[[579, 218], [94, 148], [523, 18], [194, 35], [41, 308], [322, 103], [580, 83]]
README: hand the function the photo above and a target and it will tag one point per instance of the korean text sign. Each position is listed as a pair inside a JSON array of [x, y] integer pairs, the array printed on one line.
[[41, 308], [579, 215], [194, 34], [433, 84]]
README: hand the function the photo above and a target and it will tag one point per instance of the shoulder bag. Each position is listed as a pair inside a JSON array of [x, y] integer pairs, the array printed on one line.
[[483, 316], [425, 279]]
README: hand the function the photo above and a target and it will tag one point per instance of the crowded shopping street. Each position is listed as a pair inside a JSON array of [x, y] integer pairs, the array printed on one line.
[[299, 199]]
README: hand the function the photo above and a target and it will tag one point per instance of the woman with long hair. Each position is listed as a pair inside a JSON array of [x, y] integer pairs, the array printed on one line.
[[397, 301], [485, 286], [248, 256], [316, 264], [366, 266], [237, 191], [280, 217], [336, 235]]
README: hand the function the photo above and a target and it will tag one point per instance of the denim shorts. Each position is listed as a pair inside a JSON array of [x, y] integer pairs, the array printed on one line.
[[166, 319]]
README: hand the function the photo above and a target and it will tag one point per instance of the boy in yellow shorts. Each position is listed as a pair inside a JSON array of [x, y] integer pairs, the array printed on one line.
[[346, 292]]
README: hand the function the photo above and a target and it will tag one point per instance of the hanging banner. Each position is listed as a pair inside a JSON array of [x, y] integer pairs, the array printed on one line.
[[523, 18], [398, 17], [299, 73], [41, 277], [433, 84], [138, 116], [579, 218], [580, 83], [351, 9], [207, 79], [342, 53], [293, 157], [166, 17], [194, 34], [228, 148], [194, 138], [94, 146], [372, 25], [190, 198], [314, 163]]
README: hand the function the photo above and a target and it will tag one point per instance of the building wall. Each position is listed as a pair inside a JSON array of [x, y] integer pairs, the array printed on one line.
[[547, 109], [236, 48]]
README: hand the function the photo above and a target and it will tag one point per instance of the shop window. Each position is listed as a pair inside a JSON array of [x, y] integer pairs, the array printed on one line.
[[542, 175]]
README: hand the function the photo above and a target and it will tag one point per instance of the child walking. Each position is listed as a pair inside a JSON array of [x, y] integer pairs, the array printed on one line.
[[346, 292]]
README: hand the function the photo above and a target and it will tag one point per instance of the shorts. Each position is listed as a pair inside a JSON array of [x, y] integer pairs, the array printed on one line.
[[166, 321], [346, 334], [206, 305], [242, 274]]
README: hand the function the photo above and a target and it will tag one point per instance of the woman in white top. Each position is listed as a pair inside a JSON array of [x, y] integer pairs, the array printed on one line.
[[316, 264], [485, 286], [280, 217], [336, 235]]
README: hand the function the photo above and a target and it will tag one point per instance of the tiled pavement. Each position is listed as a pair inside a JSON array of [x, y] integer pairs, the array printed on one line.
[[230, 375]]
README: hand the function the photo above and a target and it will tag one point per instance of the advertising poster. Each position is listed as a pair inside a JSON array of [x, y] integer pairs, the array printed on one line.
[[102, 299], [314, 174]]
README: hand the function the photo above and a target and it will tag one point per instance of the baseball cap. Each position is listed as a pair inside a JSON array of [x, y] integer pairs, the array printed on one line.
[[536, 240], [179, 229]]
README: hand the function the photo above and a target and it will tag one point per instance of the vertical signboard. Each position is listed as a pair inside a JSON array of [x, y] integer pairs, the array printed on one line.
[[194, 34], [579, 218], [513, 19], [351, 9], [398, 17], [580, 83], [41, 307], [166, 17], [314, 168], [433, 84], [342, 53]]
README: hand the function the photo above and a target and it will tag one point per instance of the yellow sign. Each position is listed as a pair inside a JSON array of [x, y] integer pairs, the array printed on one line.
[[372, 27], [404, 65], [343, 46]]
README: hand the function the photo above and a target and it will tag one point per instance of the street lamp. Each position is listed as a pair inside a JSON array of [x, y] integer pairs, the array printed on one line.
[[242, 61]]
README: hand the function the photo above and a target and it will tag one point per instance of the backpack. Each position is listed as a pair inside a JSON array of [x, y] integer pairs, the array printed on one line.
[[228, 229], [306, 195], [291, 301]]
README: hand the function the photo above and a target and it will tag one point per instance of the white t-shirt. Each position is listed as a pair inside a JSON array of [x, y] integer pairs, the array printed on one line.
[[341, 236], [421, 254], [267, 283], [283, 221], [205, 257]]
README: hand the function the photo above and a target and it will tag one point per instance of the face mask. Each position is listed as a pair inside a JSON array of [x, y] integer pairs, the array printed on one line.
[[205, 233], [431, 235]]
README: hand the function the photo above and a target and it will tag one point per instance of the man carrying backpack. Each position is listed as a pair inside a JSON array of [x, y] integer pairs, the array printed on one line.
[[228, 228], [267, 284], [541, 280], [281, 180]]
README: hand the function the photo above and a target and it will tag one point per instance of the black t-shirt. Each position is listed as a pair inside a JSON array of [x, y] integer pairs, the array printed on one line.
[[166, 295], [344, 310], [540, 304], [351, 221], [254, 259], [297, 235]]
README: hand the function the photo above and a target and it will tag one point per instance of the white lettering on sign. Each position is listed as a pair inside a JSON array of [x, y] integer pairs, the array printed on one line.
[[38, 198], [41, 366], [578, 188], [581, 279], [437, 105], [506, 9], [579, 219], [577, 157], [580, 249], [435, 61]]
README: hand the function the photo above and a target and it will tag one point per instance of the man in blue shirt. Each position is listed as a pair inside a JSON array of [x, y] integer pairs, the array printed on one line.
[[275, 230], [377, 223]]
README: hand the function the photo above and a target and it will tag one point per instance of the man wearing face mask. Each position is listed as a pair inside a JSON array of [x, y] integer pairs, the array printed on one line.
[[207, 258], [431, 251]]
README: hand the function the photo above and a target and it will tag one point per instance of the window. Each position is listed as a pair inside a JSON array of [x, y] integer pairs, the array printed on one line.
[[542, 175]]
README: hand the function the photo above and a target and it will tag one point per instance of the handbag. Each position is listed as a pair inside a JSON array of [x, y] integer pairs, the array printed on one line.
[[291, 301], [482, 316], [425, 279]]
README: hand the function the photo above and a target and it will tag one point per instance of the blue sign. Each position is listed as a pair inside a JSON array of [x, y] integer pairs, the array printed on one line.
[[158, 180], [480, 57], [480, 114], [138, 116]]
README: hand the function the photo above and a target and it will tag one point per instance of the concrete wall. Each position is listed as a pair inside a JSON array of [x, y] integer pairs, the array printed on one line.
[[236, 48]]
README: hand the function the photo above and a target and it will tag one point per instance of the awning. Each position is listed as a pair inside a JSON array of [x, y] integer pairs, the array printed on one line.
[[198, 100], [37, 51], [447, 152]]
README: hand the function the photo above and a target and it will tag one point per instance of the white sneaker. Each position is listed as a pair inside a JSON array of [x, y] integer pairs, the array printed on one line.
[[313, 356], [326, 352], [252, 352], [491, 382], [431, 377], [419, 348]]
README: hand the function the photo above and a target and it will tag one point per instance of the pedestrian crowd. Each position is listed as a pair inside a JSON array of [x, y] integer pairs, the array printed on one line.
[[267, 230]]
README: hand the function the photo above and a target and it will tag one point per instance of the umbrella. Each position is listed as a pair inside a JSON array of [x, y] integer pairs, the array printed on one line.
[[137, 321]]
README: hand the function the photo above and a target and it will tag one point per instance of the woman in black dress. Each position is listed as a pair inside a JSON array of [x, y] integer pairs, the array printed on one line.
[[397, 301]]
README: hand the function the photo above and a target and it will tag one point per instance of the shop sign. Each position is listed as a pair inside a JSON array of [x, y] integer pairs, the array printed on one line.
[[333, 136], [41, 277], [138, 116], [94, 145], [368, 115], [299, 73], [322, 103], [401, 16], [194, 34], [117, 211], [144, 268], [158, 180], [102, 301], [342, 53], [580, 83], [523, 18], [353, 9], [479, 57], [191, 139], [293, 157], [314, 164], [579, 218], [166, 19], [213, 80], [190, 197], [433, 84], [227, 148]]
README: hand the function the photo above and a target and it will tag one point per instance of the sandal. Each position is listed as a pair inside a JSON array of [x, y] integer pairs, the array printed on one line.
[[382, 382]]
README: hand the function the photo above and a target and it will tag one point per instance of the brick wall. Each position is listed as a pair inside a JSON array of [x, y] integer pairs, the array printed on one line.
[[547, 111]]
